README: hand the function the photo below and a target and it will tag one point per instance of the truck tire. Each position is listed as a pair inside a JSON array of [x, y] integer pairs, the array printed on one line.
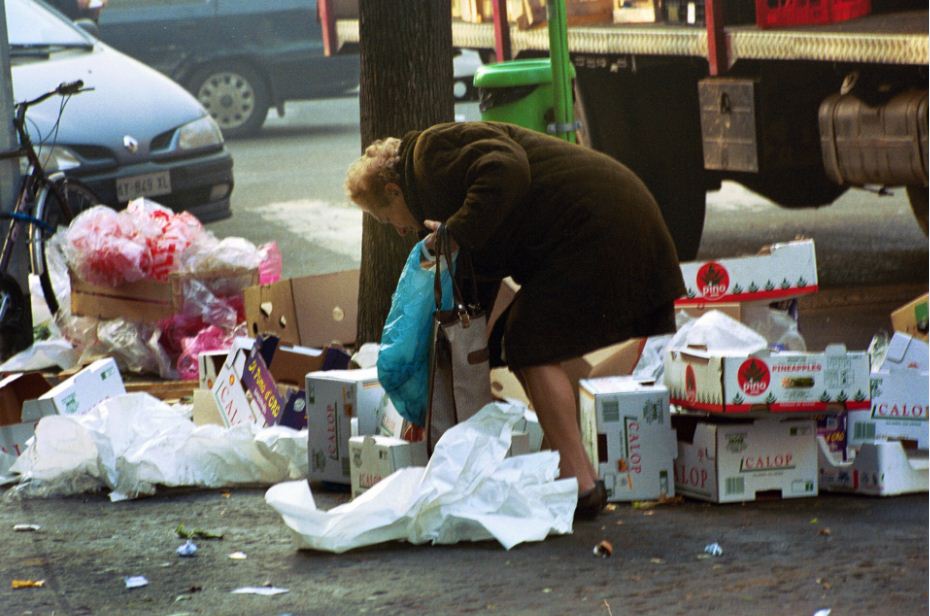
[[657, 134], [917, 195], [234, 94]]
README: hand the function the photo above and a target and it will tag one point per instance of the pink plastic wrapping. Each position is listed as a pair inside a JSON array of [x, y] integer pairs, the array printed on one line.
[[103, 248], [270, 269], [211, 338]]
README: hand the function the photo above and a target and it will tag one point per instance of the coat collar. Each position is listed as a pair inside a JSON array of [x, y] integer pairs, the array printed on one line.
[[405, 169]]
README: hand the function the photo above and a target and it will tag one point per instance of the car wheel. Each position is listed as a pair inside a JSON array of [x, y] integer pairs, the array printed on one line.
[[235, 95]]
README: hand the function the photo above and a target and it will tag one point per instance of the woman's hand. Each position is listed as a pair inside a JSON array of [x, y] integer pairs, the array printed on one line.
[[433, 226]]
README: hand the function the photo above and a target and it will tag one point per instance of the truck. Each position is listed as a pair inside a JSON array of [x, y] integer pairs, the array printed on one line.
[[797, 100]]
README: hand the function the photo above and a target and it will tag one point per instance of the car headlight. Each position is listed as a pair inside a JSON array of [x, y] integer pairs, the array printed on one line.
[[199, 133], [57, 158]]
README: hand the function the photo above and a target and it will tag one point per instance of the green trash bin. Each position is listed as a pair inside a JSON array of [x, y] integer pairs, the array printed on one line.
[[519, 92]]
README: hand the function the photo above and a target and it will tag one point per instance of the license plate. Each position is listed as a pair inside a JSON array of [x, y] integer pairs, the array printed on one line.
[[147, 185]]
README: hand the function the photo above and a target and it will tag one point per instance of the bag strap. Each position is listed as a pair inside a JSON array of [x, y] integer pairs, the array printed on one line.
[[442, 249]]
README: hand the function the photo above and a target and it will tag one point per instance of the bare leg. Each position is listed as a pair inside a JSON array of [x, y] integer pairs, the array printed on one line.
[[550, 390]]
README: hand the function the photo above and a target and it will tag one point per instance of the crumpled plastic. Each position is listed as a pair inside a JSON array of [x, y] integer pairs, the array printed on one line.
[[717, 332], [103, 248], [469, 491], [132, 443], [403, 359], [43, 354]]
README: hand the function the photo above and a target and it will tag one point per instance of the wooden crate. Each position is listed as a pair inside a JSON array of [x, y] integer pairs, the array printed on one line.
[[149, 300]]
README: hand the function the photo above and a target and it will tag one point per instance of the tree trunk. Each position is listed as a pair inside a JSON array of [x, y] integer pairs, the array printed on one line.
[[406, 84]]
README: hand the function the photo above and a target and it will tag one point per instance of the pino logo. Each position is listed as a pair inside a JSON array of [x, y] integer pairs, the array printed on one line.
[[753, 376], [713, 280], [690, 385]]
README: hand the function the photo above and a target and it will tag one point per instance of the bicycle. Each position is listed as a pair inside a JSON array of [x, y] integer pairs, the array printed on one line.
[[44, 201]]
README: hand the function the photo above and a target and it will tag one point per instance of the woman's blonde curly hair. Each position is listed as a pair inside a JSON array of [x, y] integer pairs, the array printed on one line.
[[367, 176]]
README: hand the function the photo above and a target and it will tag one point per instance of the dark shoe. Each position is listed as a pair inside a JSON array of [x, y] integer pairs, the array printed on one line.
[[591, 502]]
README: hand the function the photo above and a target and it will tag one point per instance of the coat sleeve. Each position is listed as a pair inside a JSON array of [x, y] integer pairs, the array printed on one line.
[[494, 172]]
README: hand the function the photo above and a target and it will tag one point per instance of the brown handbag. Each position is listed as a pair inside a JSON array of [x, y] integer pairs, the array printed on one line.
[[459, 379]]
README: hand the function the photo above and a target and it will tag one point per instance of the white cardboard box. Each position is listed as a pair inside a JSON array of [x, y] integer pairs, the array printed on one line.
[[334, 399], [789, 270], [905, 353], [83, 391], [898, 409], [733, 461], [236, 405], [879, 468], [375, 457], [627, 434], [777, 382]]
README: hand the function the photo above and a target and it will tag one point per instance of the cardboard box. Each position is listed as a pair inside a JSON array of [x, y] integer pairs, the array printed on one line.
[[334, 399], [83, 391], [905, 353], [726, 461], [734, 310], [205, 410], [259, 380], [627, 434], [150, 300], [375, 457], [777, 382], [19, 414], [898, 409], [245, 391], [879, 468], [789, 270], [911, 318], [312, 311], [832, 428]]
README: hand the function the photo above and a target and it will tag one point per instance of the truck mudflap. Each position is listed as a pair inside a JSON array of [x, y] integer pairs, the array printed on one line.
[[875, 144]]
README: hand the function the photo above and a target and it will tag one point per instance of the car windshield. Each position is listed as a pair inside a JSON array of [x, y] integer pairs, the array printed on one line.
[[31, 26]]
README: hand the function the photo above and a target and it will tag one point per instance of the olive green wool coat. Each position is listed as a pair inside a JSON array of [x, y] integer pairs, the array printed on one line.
[[577, 230]]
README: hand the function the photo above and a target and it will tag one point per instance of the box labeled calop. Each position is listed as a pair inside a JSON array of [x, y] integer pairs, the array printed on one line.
[[375, 457], [786, 270], [898, 409], [778, 382], [627, 434], [879, 468], [334, 399], [724, 460]]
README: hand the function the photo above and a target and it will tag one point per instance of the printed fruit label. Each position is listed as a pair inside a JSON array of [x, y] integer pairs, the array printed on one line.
[[713, 280], [753, 376]]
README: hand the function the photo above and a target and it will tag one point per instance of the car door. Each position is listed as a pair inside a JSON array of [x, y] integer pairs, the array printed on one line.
[[160, 33], [285, 40]]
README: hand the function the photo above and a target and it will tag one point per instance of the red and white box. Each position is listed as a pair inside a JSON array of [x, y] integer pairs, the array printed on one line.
[[627, 433], [788, 270], [375, 457], [727, 461], [768, 382]]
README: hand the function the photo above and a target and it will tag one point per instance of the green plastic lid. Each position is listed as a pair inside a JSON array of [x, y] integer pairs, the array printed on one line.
[[514, 73]]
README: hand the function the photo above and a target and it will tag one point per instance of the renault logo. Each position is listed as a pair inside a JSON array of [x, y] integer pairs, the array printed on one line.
[[130, 143]]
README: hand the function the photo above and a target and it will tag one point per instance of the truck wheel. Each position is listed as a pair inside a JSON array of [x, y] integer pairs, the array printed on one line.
[[235, 95], [918, 198]]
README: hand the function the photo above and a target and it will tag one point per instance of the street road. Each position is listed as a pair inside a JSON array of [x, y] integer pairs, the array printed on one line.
[[846, 554], [871, 255]]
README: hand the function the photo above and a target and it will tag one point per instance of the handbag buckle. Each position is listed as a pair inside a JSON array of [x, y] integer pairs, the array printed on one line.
[[464, 316]]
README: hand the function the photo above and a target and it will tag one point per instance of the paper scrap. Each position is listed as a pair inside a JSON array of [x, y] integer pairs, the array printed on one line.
[[237, 556], [266, 591], [26, 528], [136, 581], [16, 584]]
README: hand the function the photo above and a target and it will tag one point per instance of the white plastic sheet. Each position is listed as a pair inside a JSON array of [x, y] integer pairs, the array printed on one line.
[[469, 491], [43, 354], [716, 331], [132, 443]]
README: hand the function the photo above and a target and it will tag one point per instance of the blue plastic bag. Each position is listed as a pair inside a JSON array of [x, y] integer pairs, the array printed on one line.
[[403, 360]]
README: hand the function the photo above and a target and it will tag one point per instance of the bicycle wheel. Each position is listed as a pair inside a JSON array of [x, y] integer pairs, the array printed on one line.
[[52, 215]]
